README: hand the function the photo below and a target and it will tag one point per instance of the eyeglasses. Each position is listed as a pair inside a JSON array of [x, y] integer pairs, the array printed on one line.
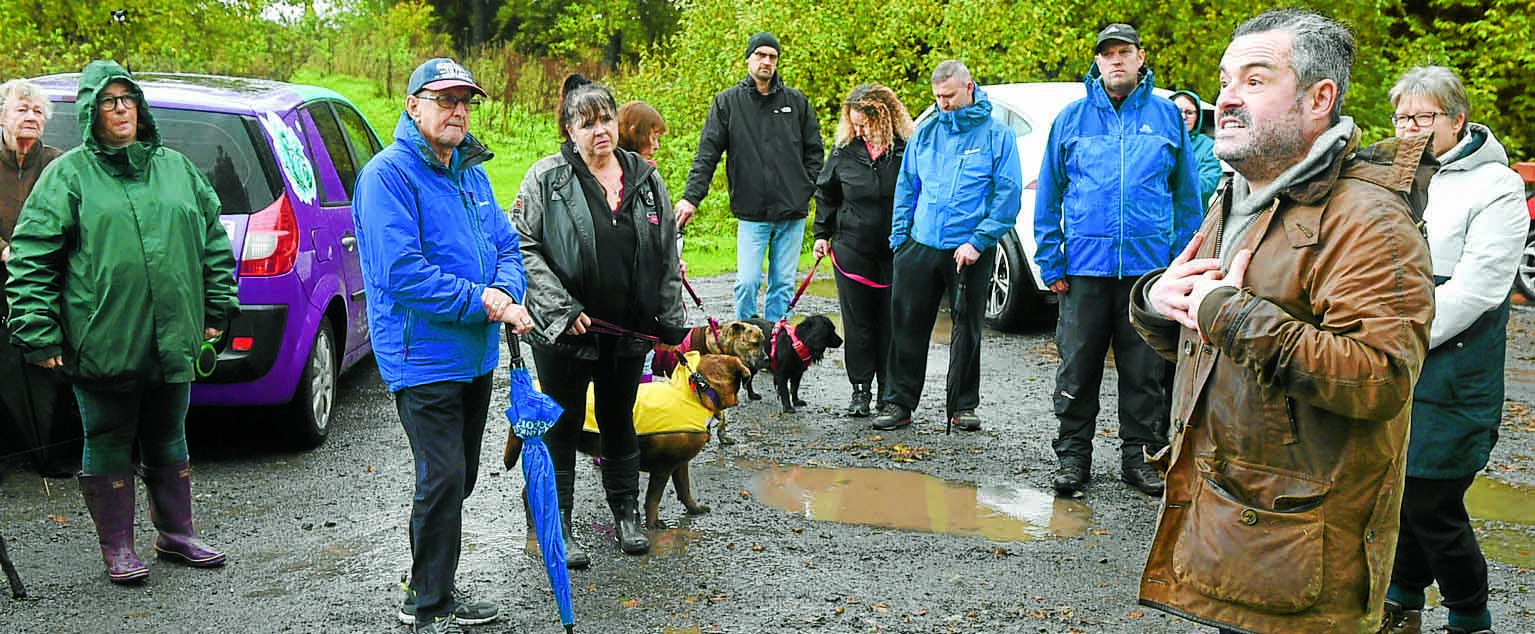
[[128, 102], [449, 102], [1423, 119]]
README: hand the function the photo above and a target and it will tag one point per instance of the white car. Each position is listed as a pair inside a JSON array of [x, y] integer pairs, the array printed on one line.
[[1018, 295]]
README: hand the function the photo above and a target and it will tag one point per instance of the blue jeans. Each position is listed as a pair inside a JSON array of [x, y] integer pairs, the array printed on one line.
[[155, 417], [780, 242], [445, 422]]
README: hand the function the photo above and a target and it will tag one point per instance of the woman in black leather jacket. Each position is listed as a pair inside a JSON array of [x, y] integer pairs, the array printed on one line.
[[597, 230]]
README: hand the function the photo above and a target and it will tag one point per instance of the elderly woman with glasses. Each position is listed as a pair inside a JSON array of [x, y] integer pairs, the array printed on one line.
[[597, 233], [120, 269], [1476, 222]]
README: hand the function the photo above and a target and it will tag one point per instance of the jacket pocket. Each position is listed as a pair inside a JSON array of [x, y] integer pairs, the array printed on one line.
[[1262, 549]]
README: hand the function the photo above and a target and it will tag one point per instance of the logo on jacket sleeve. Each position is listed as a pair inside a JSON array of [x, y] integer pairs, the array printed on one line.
[[1146, 129]]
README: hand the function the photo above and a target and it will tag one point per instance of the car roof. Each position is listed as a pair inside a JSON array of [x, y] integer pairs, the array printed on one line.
[[203, 92]]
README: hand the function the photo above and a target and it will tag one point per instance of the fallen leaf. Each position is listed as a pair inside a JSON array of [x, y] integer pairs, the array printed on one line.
[[1136, 614], [630, 603]]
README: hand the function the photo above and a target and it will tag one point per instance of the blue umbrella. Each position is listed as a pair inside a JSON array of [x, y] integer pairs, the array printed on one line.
[[532, 413]]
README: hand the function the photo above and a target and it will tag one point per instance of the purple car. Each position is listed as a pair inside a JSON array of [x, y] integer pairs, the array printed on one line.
[[283, 159]]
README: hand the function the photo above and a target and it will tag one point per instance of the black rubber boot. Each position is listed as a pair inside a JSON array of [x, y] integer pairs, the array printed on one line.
[[565, 488], [621, 479], [859, 406]]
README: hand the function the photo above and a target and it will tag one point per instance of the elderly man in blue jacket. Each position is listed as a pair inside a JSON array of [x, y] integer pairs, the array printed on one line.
[[957, 194], [1118, 196], [443, 271]]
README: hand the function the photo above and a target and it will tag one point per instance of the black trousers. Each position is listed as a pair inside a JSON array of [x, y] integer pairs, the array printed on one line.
[[615, 380], [445, 422], [1436, 543], [865, 314], [1095, 317], [922, 277]]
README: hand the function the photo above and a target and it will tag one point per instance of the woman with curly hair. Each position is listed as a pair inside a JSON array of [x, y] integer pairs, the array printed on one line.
[[855, 196]]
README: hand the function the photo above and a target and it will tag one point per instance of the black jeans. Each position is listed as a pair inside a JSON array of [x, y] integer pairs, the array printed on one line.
[[922, 277], [1094, 317], [865, 314], [615, 380], [1436, 543], [445, 422]]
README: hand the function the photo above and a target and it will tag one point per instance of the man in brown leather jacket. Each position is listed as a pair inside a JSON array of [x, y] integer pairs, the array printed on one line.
[[1298, 318]]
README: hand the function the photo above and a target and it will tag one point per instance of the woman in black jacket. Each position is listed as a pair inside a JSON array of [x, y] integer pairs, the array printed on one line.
[[854, 199], [597, 230]]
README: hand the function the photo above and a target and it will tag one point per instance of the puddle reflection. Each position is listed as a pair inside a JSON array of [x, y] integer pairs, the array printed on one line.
[[1506, 519], [907, 500]]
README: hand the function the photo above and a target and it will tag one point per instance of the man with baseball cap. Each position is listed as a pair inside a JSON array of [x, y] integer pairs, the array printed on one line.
[[1118, 196], [443, 271], [774, 142]]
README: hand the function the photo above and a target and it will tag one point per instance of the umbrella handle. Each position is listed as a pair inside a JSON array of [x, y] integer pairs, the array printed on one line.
[[514, 348]]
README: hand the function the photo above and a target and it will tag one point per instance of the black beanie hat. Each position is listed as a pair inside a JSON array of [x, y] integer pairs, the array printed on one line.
[[761, 39]]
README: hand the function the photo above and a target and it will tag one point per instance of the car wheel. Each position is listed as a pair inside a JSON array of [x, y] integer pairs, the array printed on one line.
[[1009, 288], [1525, 279], [316, 393]]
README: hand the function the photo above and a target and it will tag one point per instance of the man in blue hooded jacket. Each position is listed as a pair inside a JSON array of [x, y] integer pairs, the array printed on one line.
[[443, 270], [957, 194], [1118, 196]]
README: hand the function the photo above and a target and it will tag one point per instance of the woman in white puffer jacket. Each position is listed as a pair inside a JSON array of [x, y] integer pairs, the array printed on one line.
[[1476, 220]]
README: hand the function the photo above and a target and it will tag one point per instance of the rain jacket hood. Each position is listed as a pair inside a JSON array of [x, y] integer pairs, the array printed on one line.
[[132, 159]]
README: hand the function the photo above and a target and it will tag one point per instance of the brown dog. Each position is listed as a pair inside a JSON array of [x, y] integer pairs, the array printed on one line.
[[672, 420], [739, 339]]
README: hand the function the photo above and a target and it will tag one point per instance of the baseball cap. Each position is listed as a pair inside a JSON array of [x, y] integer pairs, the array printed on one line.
[[439, 74], [1121, 32]]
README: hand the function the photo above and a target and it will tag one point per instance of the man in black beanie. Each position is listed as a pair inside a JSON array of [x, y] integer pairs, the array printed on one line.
[[774, 142]]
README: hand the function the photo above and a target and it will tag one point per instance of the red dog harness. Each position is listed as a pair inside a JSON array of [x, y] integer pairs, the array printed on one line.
[[799, 346]]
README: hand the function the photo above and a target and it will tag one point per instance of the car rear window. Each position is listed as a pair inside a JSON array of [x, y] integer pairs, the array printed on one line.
[[224, 146]]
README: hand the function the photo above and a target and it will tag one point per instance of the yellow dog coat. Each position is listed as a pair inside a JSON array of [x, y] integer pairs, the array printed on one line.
[[662, 406]]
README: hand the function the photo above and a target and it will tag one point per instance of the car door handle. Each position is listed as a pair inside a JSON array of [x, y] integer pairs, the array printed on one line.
[[349, 242]]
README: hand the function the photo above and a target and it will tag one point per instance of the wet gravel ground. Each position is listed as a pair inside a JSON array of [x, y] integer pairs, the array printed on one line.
[[819, 523]]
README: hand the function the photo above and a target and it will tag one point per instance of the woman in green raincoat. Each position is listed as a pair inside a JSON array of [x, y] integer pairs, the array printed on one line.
[[120, 269]]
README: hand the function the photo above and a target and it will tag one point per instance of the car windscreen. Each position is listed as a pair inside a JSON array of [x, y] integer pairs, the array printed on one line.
[[227, 148]]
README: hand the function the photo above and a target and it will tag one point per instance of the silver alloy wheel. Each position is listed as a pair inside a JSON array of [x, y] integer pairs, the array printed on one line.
[[1001, 284], [322, 380]]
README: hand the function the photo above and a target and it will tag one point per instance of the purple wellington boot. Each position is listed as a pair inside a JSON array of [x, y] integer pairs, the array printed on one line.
[[170, 508], [110, 501]]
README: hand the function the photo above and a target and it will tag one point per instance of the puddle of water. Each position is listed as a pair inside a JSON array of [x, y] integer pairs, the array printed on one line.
[[907, 500], [1507, 507]]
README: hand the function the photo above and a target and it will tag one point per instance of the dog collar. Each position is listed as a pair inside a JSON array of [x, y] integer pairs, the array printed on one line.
[[800, 349]]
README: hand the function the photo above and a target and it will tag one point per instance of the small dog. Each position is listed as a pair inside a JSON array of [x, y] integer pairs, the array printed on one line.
[[672, 419], [793, 350], [736, 338]]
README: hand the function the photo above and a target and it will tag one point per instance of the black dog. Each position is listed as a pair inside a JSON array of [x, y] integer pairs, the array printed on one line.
[[815, 333]]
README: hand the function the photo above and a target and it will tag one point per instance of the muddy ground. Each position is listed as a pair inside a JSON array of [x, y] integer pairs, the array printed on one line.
[[819, 524]]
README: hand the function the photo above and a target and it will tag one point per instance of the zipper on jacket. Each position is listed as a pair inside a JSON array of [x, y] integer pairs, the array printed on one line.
[[1119, 270]]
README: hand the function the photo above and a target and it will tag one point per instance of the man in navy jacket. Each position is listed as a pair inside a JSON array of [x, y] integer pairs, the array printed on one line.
[[1118, 196]]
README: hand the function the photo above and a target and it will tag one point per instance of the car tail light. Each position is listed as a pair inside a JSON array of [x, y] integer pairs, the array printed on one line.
[[1033, 185], [241, 344], [271, 241]]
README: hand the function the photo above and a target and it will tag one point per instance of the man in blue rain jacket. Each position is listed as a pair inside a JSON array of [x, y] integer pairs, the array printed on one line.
[[1118, 196], [957, 194]]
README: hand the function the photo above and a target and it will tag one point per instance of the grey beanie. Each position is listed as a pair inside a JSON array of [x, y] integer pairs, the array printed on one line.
[[761, 39]]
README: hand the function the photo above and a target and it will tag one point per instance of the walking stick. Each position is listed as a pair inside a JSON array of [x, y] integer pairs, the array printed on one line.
[[17, 590]]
